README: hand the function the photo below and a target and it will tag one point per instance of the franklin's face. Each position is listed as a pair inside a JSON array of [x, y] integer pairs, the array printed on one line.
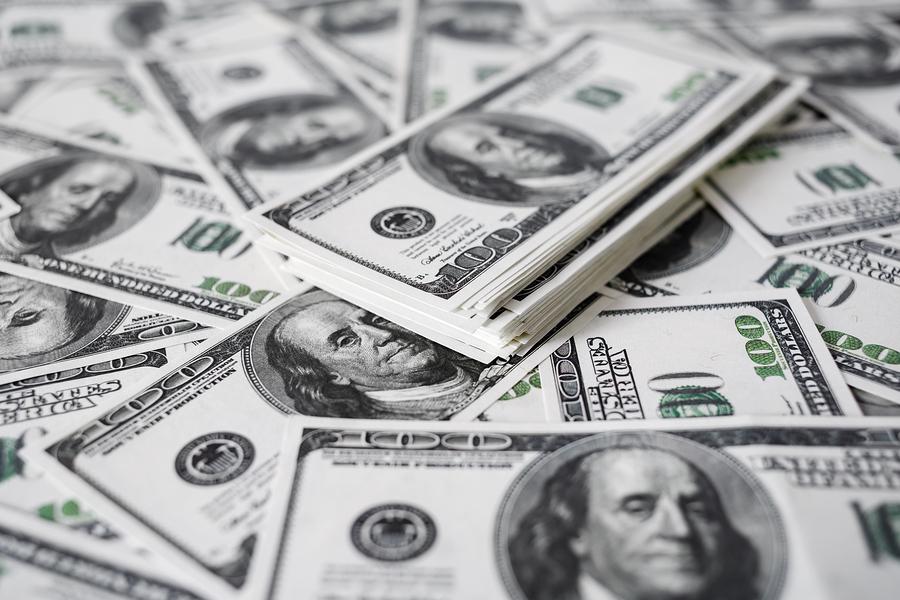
[[501, 151], [847, 56], [306, 132], [84, 192], [652, 529], [362, 349], [32, 317]]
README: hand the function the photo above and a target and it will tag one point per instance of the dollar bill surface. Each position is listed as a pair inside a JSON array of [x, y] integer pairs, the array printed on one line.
[[508, 170], [746, 508], [39, 562], [125, 229], [455, 45], [806, 187], [271, 117], [102, 105], [52, 404], [207, 432], [524, 402], [849, 289], [749, 353], [45, 328], [852, 63]]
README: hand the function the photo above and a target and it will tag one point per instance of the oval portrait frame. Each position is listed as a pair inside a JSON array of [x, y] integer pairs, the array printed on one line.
[[423, 166], [745, 501]]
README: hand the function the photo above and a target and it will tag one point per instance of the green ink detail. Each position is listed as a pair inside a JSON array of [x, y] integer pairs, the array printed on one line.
[[35, 28], [70, 508], [689, 402], [46, 512], [208, 236], [844, 177], [535, 380], [752, 156], [687, 88], [438, 98], [599, 96], [484, 72], [9, 461], [881, 528]]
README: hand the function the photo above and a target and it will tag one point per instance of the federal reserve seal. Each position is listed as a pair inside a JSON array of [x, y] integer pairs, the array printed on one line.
[[393, 532], [402, 222], [214, 458]]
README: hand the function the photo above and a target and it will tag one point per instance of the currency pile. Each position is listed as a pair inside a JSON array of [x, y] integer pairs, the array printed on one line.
[[449, 299]]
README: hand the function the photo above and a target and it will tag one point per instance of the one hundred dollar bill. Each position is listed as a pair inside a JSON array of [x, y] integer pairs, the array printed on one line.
[[100, 105], [207, 432], [444, 208], [743, 508], [125, 229], [852, 63], [603, 11], [52, 404], [270, 117], [77, 34], [850, 289], [455, 45], [807, 186], [367, 34], [745, 353], [38, 562], [45, 328]]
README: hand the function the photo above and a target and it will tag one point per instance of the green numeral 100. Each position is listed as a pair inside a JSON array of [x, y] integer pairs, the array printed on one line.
[[760, 351]]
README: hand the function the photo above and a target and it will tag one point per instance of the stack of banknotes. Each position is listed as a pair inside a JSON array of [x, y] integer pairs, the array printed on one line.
[[354, 299]]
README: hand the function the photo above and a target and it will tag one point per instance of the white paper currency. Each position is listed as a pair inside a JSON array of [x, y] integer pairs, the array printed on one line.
[[743, 508], [453, 204], [44, 328], [744, 353], [850, 289], [42, 563], [126, 229], [807, 186], [270, 116], [854, 64]]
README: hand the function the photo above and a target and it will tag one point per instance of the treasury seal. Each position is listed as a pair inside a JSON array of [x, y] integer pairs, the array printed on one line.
[[402, 222], [393, 532], [214, 458]]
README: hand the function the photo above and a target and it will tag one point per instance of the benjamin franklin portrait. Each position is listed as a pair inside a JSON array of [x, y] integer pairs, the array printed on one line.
[[299, 131], [319, 355], [851, 59], [42, 323], [641, 516], [74, 201], [508, 159]]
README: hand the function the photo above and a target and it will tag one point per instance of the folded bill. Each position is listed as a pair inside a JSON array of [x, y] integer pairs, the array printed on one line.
[[742, 508]]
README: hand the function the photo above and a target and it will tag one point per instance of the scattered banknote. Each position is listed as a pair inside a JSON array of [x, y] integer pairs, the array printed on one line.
[[852, 63], [744, 508], [805, 186], [57, 402], [454, 45], [45, 328], [101, 105], [217, 417], [125, 229], [39, 562], [746, 353], [603, 12], [851, 289], [271, 116], [368, 35]]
